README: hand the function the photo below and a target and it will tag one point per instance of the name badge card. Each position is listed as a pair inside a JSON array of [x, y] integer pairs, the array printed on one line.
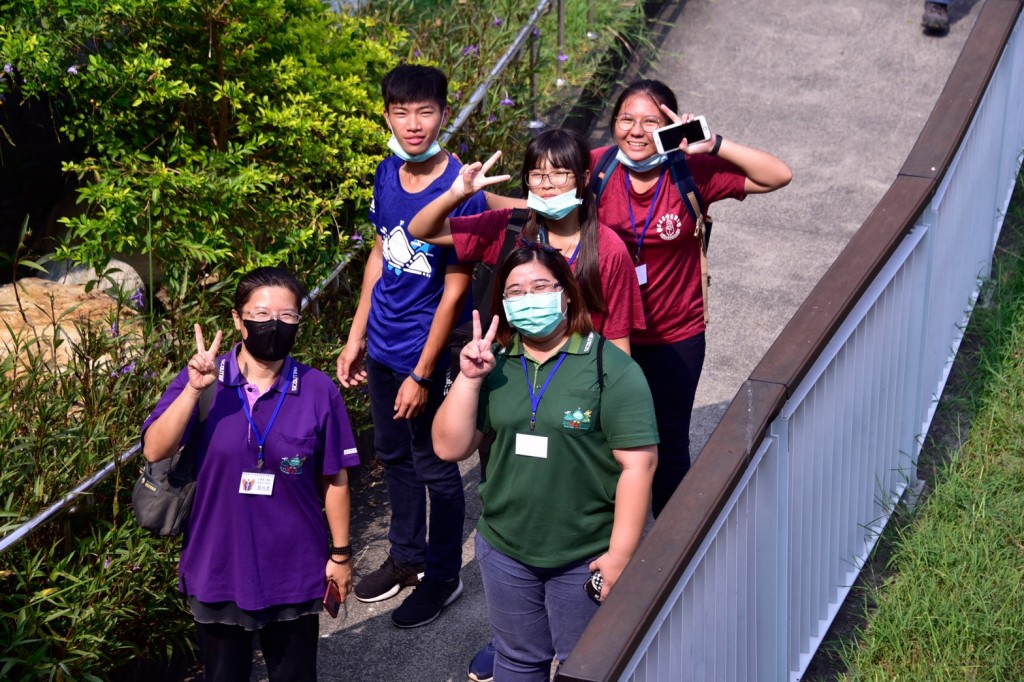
[[532, 446], [641, 274], [255, 483]]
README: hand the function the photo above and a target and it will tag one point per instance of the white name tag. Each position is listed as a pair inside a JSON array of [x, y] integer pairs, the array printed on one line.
[[531, 446], [255, 483], [641, 274]]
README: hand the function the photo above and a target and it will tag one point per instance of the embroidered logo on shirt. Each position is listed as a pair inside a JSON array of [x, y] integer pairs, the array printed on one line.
[[577, 420], [669, 226], [292, 465]]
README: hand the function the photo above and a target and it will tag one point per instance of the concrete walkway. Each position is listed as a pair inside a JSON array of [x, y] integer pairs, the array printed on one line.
[[838, 90]]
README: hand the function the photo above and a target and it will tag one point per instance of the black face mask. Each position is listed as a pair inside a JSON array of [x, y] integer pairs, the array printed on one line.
[[269, 341]]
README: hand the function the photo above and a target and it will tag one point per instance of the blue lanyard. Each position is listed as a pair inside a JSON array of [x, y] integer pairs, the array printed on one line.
[[261, 438], [650, 214], [535, 398], [576, 252]]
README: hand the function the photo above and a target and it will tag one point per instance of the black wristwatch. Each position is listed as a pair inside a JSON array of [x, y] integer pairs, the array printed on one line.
[[425, 382]]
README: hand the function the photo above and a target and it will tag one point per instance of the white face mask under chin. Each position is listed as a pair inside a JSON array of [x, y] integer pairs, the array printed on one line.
[[396, 147], [647, 164]]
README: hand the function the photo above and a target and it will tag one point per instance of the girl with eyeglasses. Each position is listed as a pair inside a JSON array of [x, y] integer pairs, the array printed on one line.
[[570, 472], [271, 487], [554, 176], [641, 203]]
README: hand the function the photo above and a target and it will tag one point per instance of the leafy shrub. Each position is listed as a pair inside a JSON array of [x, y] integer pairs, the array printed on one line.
[[212, 134]]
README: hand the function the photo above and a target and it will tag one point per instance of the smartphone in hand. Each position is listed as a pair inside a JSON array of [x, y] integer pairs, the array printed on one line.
[[332, 598], [669, 137]]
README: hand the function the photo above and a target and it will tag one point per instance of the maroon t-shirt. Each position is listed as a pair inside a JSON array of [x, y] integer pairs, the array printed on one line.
[[479, 238], [673, 305]]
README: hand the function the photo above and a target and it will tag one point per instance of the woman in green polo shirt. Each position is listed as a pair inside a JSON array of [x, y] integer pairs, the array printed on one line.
[[569, 478]]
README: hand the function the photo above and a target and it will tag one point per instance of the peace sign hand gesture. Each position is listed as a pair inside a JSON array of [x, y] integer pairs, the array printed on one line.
[[202, 365], [473, 178], [477, 360]]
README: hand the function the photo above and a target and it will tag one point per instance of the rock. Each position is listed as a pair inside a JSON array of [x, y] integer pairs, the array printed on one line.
[[125, 279], [46, 307]]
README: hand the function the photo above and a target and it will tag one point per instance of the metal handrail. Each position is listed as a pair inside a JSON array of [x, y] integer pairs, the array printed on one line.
[[499, 66]]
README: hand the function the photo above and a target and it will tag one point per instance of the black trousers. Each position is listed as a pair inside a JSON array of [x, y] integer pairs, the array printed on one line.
[[672, 371], [289, 648]]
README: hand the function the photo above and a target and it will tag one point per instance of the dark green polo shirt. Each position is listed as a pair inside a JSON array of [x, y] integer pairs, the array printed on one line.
[[556, 510]]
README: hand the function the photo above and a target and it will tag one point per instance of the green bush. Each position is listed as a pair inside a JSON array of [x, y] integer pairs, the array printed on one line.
[[211, 134]]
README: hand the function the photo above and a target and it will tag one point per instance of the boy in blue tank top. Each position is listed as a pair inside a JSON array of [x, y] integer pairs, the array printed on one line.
[[412, 295]]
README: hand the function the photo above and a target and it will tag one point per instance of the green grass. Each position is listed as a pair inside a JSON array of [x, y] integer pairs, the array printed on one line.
[[954, 607]]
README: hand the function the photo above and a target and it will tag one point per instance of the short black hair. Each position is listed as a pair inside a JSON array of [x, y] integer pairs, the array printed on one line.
[[266, 277], [408, 83]]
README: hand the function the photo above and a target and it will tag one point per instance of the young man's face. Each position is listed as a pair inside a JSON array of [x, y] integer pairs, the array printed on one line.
[[416, 124]]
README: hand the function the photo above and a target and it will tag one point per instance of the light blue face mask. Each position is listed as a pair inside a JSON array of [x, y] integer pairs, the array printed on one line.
[[535, 315], [394, 146], [555, 208], [641, 166]]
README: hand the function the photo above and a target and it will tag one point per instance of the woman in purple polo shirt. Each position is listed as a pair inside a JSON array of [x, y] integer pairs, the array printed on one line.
[[257, 554]]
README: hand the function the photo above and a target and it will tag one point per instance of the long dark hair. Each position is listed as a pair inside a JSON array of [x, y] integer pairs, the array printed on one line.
[[576, 314], [266, 277], [656, 90], [563, 148]]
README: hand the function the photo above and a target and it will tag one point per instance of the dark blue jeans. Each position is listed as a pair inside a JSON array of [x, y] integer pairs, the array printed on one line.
[[672, 372], [412, 472], [536, 614]]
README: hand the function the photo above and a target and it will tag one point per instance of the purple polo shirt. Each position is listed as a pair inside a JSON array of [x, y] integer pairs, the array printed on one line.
[[261, 551]]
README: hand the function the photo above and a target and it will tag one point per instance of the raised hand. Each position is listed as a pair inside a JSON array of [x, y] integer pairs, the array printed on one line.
[[473, 178], [477, 360], [202, 367]]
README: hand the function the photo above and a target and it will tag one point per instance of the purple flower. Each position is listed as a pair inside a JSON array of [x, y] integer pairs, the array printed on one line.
[[106, 562], [563, 57], [73, 70], [415, 53], [112, 332], [8, 68], [124, 371], [470, 50], [357, 238], [492, 118], [137, 299], [463, 148], [498, 21], [507, 102], [457, 95], [536, 31]]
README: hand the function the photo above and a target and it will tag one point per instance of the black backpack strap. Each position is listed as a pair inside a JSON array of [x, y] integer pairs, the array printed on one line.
[[516, 223], [687, 186], [603, 172]]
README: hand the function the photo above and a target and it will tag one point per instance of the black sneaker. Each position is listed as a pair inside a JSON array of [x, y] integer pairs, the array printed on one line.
[[426, 602], [936, 18], [388, 580]]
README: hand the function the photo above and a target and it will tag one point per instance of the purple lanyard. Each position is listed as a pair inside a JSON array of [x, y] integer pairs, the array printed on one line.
[[262, 438], [650, 214], [535, 398], [576, 251]]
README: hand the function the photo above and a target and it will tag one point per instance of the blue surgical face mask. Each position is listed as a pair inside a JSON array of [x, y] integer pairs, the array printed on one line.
[[394, 146], [555, 208], [535, 315], [641, 166]]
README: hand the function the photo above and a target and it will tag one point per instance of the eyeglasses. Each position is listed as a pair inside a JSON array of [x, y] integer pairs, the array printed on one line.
[[650, 124], [557, 178], [287, 317], [543, 286]]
